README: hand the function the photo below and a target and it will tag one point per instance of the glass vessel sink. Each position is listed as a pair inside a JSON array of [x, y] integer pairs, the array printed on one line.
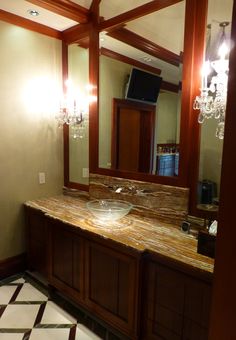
[[109, 209]]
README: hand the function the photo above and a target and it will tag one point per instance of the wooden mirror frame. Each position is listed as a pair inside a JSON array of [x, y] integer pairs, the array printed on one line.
[[194, 43]]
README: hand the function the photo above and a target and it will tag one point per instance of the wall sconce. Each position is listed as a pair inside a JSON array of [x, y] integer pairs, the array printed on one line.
[[74, 108], [212, 100]]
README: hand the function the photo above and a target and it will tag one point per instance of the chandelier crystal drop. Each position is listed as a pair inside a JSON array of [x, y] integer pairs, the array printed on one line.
[[74, 108], [211, 102]]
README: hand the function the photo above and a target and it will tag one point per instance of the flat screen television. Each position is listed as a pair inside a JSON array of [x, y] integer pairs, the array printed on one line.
[[143, 86]]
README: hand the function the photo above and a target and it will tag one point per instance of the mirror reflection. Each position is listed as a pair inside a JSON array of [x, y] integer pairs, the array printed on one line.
[[135, 133], [211, 146], [78, 76]]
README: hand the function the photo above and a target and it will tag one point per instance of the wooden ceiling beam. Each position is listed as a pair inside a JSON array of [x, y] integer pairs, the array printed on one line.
[[136, 13], [76, 33], [66, 8], [29, 24], [145, 45], [120, 57]]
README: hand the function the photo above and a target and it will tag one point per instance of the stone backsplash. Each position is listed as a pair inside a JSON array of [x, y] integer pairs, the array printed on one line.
[[167, 203]]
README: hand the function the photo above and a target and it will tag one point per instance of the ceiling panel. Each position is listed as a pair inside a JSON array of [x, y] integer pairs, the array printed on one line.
[[21, 8]]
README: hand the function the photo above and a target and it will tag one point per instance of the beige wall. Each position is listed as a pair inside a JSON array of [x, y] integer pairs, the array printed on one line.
[[113, 76], [79, 147], [210, 153], [30, 73]]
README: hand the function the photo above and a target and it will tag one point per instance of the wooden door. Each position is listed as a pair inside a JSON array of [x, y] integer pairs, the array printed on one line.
[[176, 307], [132, 136], [67, 260], [111, 287]]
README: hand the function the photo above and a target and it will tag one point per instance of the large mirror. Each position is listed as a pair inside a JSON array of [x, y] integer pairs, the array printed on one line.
[[139, 133], [78, 76], [211, 146]]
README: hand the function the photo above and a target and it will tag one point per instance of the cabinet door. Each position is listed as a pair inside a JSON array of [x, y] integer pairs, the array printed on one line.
[[164, 303], [176, 306], [197, 310], [111, 286], [37, 241], [66, 260]]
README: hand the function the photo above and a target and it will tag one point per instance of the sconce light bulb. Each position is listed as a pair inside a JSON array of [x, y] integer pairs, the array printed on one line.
[[223, 50], [206, 68]]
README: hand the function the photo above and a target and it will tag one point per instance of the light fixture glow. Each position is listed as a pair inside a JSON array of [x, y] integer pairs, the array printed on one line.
[[211, 102]]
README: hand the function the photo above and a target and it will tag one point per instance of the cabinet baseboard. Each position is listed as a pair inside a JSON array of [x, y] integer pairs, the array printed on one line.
[[12, 265]]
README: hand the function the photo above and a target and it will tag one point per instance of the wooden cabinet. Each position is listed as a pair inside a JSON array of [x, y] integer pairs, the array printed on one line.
[[37, 241], [66, 260], [112, 281], [129, 290], [177, 306]]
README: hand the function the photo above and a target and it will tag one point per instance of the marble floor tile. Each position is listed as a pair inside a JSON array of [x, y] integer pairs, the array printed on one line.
[[6, 293], [53, 314], [11, 336], [50, 334], [83, 333], [29, 293], [19, 316]]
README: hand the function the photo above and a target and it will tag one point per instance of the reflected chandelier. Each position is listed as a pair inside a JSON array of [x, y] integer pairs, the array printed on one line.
[[212, 99], [73, 112]]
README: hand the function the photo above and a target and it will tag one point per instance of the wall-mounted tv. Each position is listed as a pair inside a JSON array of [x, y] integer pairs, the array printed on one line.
[[143, 86]]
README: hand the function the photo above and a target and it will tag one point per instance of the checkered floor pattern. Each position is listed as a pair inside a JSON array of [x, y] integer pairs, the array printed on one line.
[[28, 314]]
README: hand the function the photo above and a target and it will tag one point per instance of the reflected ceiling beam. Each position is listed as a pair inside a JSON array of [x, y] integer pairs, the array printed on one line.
[[95, 4], [136, 13], [167, 86], [66, 8], [29, 24], [145, 45], [76, 33], [120, 57]]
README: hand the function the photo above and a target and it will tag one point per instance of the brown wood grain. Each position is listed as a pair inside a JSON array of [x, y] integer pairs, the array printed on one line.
[[29, 24], [145, 45]]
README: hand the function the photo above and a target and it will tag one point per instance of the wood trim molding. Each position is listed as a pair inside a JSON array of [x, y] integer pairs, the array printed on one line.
[[76, 33], [165, 85], [66, 8], [136, 13], [12, 265], [145, 45], [120, 57], [29, 24]]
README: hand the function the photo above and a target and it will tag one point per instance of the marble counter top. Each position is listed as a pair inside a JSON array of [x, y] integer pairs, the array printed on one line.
[[135, 231]]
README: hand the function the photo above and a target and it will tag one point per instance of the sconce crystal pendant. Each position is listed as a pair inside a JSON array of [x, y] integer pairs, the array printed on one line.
[[212, 100], [73, 112]]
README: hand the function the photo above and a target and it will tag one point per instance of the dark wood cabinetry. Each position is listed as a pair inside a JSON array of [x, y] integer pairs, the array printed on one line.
[[177, 306], [129, 290], [67, 260], [37, 241], [112, 281]]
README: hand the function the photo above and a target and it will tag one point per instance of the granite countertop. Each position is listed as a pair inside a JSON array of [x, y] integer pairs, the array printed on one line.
[[140, 233]]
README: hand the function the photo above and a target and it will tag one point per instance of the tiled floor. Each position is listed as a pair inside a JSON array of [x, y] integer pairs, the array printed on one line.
[[27, 314]]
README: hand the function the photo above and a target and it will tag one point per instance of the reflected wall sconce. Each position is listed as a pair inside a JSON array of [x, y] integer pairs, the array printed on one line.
[[73, 111], [213, 92]]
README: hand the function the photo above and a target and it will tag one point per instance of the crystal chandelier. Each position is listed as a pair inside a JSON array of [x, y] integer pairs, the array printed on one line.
[[212, 99], [73, 112]]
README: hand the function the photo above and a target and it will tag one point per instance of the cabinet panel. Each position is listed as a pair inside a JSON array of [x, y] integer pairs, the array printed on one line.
[[176, 305], [62, 255], [37, 241], [67, 260], [111, 286]]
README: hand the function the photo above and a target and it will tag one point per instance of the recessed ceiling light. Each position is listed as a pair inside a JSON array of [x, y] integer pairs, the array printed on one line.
[[33, 12], [146, 58]]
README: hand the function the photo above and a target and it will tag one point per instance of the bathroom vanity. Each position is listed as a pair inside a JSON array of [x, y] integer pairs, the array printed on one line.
[[142, 277]]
